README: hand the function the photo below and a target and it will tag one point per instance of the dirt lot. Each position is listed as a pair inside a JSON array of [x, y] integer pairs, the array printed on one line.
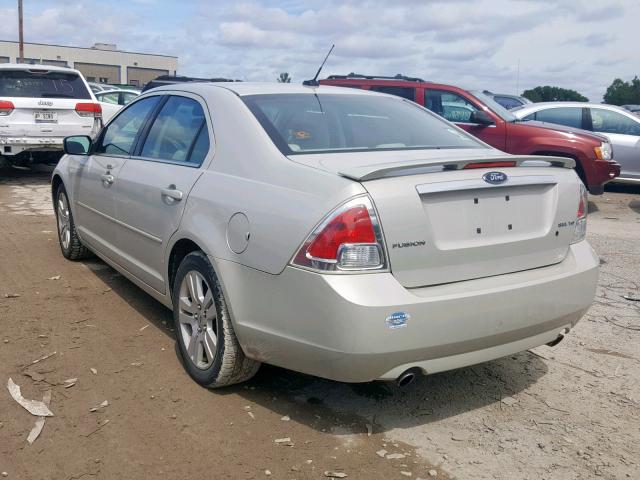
[[569, 412]]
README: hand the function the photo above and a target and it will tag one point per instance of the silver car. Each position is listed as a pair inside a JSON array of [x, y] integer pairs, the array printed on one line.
[[337, 232], [619, 125]]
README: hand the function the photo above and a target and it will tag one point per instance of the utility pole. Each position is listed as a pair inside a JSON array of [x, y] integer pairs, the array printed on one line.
[[517, 78], [20, 35]]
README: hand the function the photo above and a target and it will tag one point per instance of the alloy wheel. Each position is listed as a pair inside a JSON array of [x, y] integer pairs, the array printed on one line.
[[64, 220], [197, 319]]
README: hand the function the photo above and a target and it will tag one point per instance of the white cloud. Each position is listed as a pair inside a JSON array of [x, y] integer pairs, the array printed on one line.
[[581, 44]]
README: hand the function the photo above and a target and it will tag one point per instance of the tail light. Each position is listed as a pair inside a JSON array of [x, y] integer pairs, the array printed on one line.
[[349, 239], [6, 107], [89, 109], [580, 229]]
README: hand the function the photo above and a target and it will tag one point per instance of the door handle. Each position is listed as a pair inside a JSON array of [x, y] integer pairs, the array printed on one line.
[[107, 179], [172, 194]]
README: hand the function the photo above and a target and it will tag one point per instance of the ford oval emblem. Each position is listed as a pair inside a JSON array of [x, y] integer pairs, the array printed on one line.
[[495, 178]]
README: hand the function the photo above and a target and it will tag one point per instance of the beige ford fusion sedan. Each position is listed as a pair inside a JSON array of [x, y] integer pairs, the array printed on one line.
[[341, 233]]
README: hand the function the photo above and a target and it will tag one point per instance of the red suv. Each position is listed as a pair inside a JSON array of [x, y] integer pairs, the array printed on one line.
[[483, 117]]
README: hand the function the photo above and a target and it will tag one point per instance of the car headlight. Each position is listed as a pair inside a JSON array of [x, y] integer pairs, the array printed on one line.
[[604, 151]]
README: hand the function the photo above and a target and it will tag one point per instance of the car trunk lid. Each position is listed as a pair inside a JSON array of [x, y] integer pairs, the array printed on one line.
[[454, 225], [444, 220]]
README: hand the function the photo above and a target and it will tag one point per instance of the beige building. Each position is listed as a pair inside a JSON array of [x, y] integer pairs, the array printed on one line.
[[102, 63]]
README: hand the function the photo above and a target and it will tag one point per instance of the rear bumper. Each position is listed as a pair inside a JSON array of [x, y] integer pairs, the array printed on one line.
[[335, 326], [14, 145]]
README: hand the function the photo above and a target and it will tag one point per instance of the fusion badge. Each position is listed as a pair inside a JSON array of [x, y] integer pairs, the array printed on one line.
[[397, 320]]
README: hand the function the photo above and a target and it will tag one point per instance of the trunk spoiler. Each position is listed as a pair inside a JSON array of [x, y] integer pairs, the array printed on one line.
[[396, 169]]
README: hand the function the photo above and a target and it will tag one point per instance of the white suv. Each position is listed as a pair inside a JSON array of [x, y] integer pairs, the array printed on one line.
[[39, 106]]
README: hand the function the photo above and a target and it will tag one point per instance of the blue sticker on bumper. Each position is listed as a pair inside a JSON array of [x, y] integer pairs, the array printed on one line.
[[397, 320]]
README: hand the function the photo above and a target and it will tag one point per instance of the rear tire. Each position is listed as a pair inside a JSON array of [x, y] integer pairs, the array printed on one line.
[[70, 244], [206, 339]]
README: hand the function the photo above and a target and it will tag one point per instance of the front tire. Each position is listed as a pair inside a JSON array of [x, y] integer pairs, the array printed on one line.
[[70, 244], [206, 339]]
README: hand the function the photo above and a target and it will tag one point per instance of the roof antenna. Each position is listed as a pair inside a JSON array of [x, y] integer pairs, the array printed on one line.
[[314, 82]]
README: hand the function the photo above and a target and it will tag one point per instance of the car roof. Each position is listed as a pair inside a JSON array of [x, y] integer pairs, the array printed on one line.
[[28, 66], [534, 107], [261, 88], [117, 90]]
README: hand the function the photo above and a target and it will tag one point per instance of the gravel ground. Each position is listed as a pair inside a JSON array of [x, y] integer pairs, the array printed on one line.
[[568, 412]]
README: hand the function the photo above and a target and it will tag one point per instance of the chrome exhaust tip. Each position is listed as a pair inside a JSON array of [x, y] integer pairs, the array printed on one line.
[[408, 377]]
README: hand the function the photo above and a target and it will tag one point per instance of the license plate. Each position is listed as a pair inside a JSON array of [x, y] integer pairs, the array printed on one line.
[[45, 117]]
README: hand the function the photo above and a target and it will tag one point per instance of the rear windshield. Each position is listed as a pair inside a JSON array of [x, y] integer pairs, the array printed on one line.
[[320, 123], [43, 84]]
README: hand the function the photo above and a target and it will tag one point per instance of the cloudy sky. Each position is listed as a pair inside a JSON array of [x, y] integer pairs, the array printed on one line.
[[580, 44]]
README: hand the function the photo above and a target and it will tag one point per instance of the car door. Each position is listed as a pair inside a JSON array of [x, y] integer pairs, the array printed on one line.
[[624, 134], [458, 109], [97, 173], [154, 184]]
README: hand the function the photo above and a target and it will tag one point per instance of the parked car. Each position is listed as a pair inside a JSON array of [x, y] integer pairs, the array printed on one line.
[[635, 109], [113, 100], [621, 127], [340, 233], [99, 87], [39, 106], [480, 115], [508, 101]]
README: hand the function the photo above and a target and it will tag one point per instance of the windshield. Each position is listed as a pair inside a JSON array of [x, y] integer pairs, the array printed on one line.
[[320, 123], [42, 84], [498, 109]]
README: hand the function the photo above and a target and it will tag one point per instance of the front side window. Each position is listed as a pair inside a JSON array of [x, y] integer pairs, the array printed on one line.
[[38, 83], [449, 105], [177, 131], [607, 121], [569, 116], [317, 123], [404, 92], [119, 137]]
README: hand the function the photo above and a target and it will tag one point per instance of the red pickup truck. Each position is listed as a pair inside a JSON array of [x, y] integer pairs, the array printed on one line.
[[483, 117]]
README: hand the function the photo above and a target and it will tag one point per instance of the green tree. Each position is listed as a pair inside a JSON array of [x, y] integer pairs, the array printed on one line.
[[623, 93], [284, 78], [553, 94]]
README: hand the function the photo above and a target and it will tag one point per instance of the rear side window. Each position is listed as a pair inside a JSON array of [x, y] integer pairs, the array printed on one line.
[[507, 102], [177, 132], [120, 135], [606, 121], [42, 84], [109, 97], [449, 105], [571, 117], [128, 97], [404, 92]]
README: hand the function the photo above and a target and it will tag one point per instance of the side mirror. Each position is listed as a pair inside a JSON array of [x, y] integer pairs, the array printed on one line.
[[77, 145], [481, 118]]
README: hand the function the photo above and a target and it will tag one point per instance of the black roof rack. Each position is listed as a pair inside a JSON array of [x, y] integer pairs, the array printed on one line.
[[172, 79], [375, 77]]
